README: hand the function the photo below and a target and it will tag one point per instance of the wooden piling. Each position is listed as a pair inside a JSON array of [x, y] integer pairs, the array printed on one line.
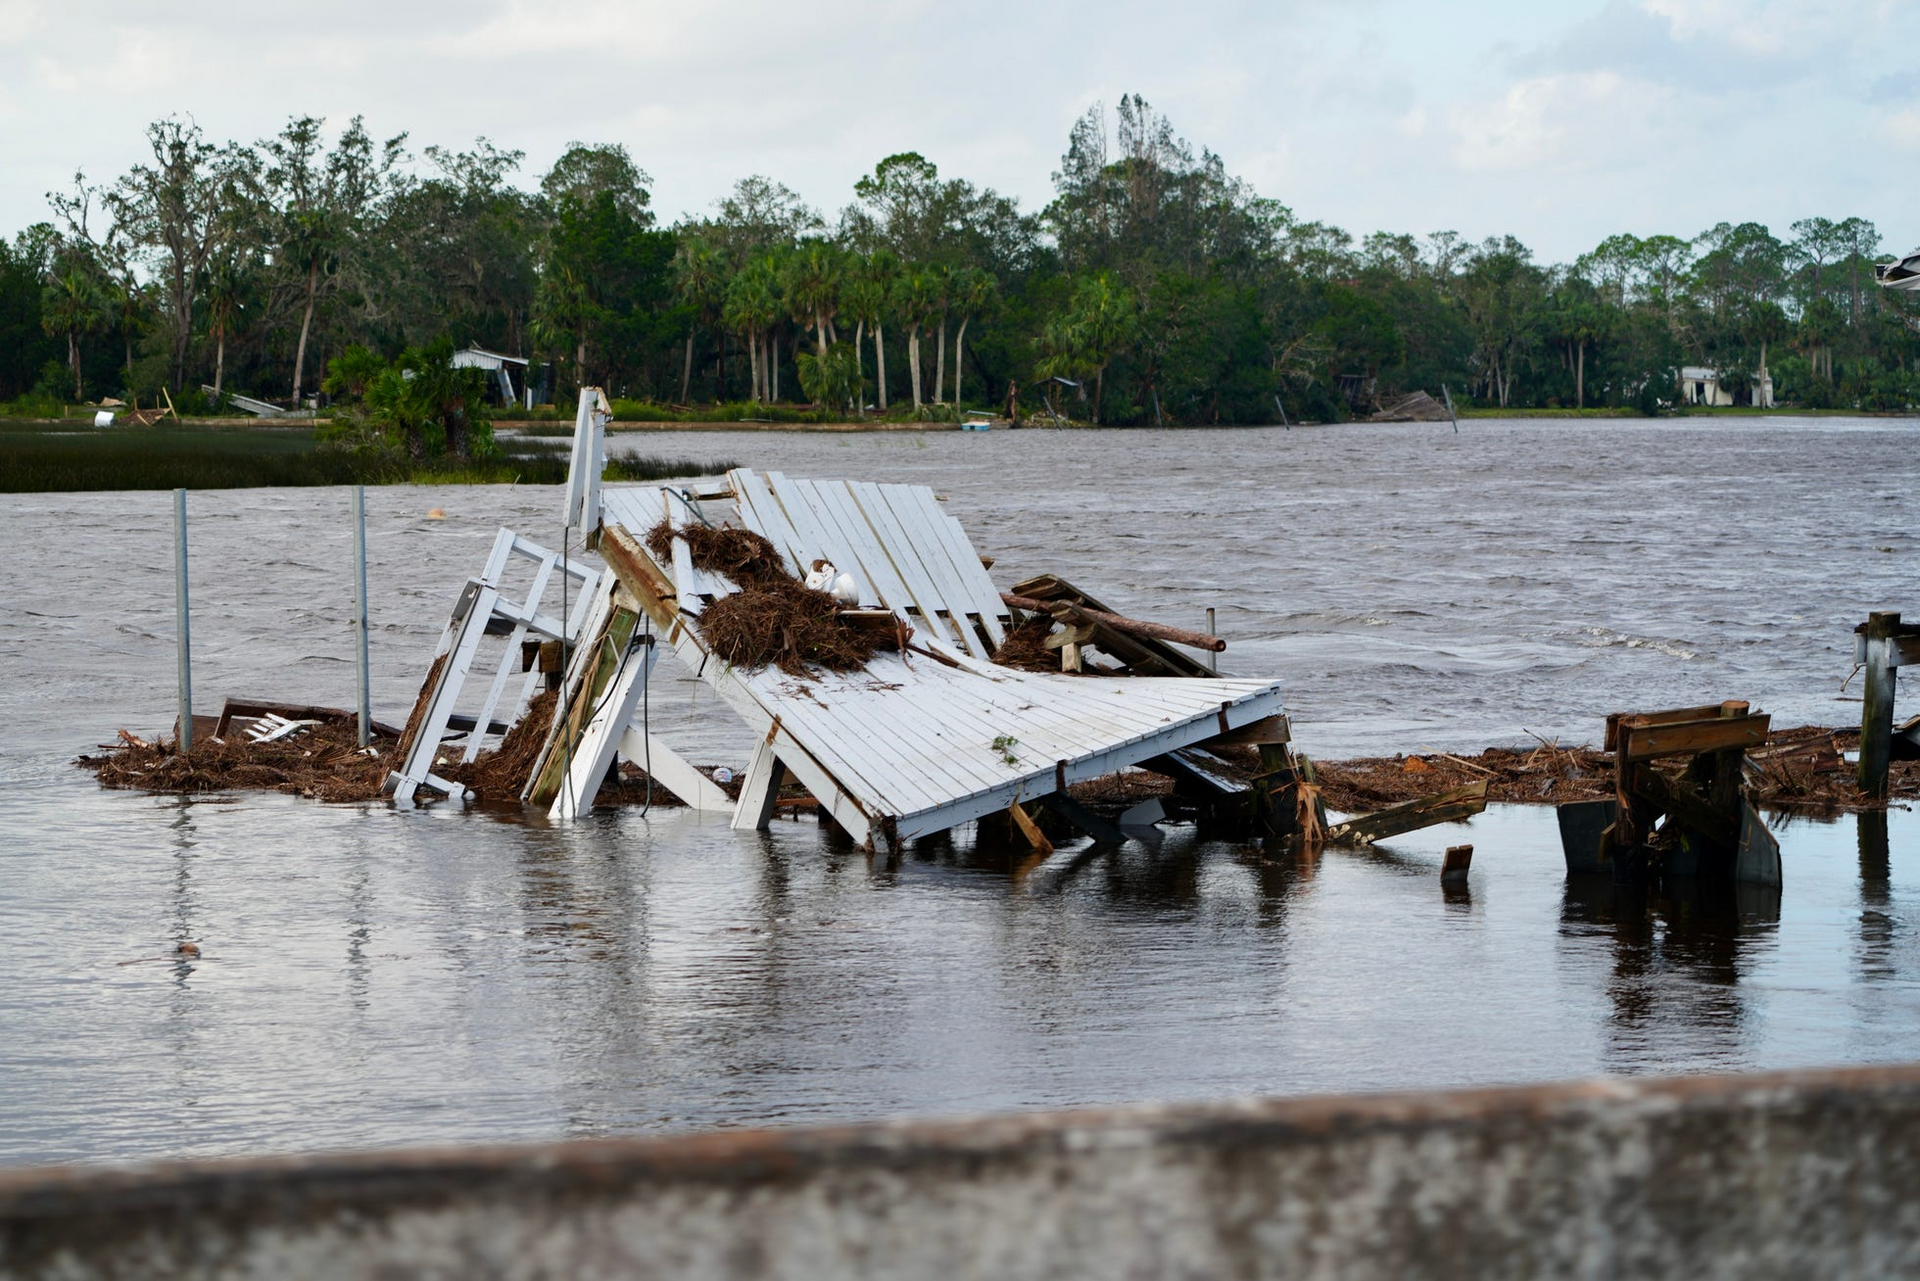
[[1876, 714]]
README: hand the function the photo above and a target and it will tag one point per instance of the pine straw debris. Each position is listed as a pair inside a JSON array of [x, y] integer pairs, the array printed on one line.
[[1799, 768], [744, 557], [774, 618], [1025, 648], [323, 763], [499, 775]]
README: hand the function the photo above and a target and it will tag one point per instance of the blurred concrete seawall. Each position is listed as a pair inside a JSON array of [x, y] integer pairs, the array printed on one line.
[[1779, 1175]]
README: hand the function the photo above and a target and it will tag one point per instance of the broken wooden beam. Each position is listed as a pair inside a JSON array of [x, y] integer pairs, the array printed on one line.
[[1442, 807], [1133, 626]]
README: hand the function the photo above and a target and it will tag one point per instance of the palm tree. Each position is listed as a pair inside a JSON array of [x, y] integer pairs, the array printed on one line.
[[72, 305], [699, 276], [973, 289], [1100, 319], [882, 276], [125, 301], [813, 280], [753, 304], [918, 295], [943, 279], [309, 247], [865, 299], [225, 286], [562, 309]]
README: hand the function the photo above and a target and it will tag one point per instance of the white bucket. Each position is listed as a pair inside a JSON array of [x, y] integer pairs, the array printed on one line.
[[103, 419]]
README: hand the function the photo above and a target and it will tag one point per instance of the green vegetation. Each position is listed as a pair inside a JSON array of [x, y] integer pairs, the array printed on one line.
[[48, 459], [1154, 288]]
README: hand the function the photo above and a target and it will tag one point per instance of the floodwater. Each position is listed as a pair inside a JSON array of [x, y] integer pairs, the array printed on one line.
[[370, 976]]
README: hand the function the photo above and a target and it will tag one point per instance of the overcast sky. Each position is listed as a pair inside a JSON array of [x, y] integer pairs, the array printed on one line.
[[1559, 123]]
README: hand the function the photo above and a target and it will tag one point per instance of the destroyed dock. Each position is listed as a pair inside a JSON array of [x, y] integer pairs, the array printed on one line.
[[923, 730]]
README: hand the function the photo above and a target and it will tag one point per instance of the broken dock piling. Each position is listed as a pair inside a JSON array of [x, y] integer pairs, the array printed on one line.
[[1882, 645]]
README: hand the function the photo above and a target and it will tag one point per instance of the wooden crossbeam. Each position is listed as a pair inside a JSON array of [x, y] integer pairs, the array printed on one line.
[[1442, 807], [1638, 742]]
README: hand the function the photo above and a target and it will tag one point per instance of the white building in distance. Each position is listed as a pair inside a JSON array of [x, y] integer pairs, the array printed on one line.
[[1700, 385]]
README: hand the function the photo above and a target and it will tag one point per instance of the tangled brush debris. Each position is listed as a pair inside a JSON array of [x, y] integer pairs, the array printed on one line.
[[740, 555], [774, 618], [1025, 648], [324, 763], [500, 774]]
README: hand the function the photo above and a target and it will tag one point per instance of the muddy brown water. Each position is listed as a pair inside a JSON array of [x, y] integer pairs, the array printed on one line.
[[370, 976]]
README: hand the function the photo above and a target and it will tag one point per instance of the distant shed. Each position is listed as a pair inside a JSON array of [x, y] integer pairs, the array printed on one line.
[[504, 369]]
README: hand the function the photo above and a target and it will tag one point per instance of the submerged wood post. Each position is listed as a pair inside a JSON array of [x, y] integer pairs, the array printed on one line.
[[1213, 660], [360, 610], [1876, 713], [182, 628]]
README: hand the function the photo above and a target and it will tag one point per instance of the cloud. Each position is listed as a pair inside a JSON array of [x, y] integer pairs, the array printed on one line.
[[1550, 122], [1901, 129], [1562, 123]]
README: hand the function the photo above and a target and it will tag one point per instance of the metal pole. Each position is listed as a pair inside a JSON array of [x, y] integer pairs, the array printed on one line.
[[1213, 658], [182, 628], [360, 608]]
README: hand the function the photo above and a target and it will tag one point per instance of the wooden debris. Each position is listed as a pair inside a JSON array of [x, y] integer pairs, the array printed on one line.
[[1068, 611], [1144, 649], [1443, 807], [1458, 862]]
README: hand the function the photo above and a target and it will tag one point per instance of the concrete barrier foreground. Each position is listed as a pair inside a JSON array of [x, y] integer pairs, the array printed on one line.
[[1779, 1175]]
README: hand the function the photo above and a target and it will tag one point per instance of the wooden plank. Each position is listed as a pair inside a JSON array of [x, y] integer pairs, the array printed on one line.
[[670, 770], [926, 534], [922, 593], [1687, 738], [601, 661], [855, 548], [759, 788], [1443, 807], [817, 536], [498, 685], [973, 571], [763, 514], [601, 737], [983, 599], [1268, 729], [919, 594], [1674, 716], [857, 759], [471, 614], [926, 527], [687, 593], [1035, 838], [1051, 588]]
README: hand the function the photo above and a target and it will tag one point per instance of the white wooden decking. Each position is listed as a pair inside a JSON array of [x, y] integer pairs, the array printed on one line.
[[911, 745]]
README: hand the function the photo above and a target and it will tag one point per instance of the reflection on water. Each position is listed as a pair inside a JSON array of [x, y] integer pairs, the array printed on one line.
[[371, 976]]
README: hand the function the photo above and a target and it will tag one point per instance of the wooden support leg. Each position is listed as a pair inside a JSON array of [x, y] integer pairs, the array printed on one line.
[[670, 770], [759, 789], [1876, 715], [593, 755]]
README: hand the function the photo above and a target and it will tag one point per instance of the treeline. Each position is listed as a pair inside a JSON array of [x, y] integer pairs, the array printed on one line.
[[1154, 288]]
